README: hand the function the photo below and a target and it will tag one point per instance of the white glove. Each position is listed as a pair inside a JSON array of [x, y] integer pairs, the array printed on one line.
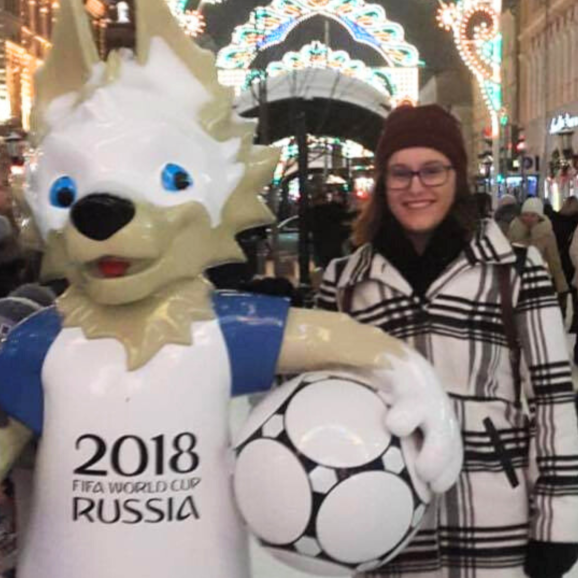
[[418, 401]]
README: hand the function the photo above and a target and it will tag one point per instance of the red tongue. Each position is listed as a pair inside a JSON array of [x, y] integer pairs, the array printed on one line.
[[113, 267]]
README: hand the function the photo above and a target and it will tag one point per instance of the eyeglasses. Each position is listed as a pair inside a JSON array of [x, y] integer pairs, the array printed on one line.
[[400, 177]]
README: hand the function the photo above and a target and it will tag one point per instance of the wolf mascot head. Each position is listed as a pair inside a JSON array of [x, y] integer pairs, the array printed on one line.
[[140, 178]]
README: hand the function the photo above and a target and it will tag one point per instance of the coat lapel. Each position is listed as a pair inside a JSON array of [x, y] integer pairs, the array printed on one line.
[[489, 246], [368, 265]]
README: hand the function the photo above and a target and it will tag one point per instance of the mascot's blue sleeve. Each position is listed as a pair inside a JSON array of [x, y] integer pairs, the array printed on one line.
[[253, 327], [21, 360]]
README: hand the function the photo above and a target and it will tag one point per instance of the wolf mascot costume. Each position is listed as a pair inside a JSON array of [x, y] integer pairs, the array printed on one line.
[[140, 178]]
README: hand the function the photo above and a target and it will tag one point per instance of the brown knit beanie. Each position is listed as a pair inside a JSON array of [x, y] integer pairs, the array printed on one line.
[[427, 126]]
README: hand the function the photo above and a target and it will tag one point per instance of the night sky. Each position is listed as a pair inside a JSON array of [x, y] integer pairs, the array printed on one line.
[[416, 16]]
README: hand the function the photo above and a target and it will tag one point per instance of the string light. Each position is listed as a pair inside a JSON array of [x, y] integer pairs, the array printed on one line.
[[476, 30], [270, 25], [318, 55], [191, 21], [366, 23]]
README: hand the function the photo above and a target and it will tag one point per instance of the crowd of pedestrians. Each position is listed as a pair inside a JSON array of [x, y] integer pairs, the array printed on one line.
[[553, 233]]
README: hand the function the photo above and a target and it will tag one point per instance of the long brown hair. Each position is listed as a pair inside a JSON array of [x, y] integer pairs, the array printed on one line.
[[370, 221]]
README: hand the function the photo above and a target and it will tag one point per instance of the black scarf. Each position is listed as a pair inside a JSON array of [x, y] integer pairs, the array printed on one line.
[[420, 271]]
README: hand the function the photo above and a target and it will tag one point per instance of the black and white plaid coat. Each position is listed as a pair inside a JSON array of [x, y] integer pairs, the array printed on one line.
[[480, 528]]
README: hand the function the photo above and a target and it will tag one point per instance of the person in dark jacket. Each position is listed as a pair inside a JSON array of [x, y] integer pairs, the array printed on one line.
[[328, 225], [11, 258], [508, 209], [483, 204], [564, 223]]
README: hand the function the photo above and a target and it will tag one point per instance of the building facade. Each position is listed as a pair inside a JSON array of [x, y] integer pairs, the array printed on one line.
[[548, 92], [519, 166], [25, 43], [26, 52], [9, 31]]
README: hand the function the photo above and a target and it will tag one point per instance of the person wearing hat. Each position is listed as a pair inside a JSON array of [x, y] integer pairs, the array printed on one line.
[[532, 227], [429, 272], [508, 209]]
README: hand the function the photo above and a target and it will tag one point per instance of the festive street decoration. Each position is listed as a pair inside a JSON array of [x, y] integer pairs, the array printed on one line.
[[366, 23], [476, 28], [318, 55], [191, 21], [319, 147]]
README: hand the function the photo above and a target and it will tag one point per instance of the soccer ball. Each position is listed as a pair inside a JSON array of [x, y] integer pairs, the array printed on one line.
[[320, 481]]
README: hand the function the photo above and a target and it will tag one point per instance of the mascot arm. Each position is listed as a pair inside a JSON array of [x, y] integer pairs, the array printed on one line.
[[13, 438], [319, 340], [21, 359]]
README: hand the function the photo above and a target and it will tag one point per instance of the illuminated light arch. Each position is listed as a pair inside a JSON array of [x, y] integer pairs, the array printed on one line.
[[475, 25], [318, 55], [366, 23], [270, 25]]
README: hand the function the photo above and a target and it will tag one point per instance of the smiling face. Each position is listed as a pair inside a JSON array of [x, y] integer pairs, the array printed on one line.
[[530, 219], [423, 204]]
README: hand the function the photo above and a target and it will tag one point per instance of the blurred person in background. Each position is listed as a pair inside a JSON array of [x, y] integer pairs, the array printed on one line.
[[12, 262], [328, 223], [483, 204], [534, 228], [508, 209], [565, 223]]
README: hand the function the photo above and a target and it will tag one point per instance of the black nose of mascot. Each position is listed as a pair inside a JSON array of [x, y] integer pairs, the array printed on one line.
[[100, 216]]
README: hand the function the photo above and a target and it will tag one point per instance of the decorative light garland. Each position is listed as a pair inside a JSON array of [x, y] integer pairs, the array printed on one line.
[[366, 23], [191, 21], [476, 28], [270, 25], [318, 55]]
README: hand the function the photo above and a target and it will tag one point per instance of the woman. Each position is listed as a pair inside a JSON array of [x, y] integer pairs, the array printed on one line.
[[532, 227], [427, 272]]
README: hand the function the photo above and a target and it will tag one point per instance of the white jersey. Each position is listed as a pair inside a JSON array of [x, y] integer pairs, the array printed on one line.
[[133, 477]]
